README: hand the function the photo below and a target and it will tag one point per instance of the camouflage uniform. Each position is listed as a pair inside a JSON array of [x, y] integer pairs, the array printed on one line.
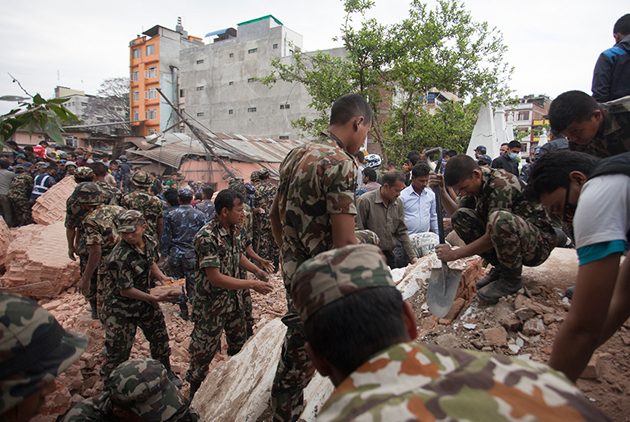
[[264, 244], [420, 382], [520, 230], [112, 195], [150, 206], [614, 136], [207, 207], [127, 267], [140, 386], [34, 349], [316, 180], [19, 195], [215, 309]]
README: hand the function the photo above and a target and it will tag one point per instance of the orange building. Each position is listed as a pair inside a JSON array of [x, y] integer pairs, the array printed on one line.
[[154, 63]]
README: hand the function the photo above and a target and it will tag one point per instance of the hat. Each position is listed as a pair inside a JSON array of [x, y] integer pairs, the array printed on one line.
[[141, 178], [18, 168], [337, 273], [123, 158], [263, 174], [89, 193], [34, 349], [367, 236], [237, 185], [185, 193], [481, 149], [83, 174], [484, 160], [142, 386], [255, 176], [129, 220], [70, 163]]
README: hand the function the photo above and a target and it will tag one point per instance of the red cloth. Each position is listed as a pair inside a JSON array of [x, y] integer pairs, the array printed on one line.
[[40, 151]]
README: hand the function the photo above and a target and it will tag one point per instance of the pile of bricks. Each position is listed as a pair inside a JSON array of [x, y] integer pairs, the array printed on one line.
[[37, 264], [5, 240], [51, 206]]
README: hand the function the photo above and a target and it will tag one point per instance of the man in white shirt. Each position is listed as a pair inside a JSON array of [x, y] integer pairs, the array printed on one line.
[[420, 210]]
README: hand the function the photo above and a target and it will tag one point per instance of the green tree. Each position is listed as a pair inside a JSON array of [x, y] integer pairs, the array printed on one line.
[[396, 66]]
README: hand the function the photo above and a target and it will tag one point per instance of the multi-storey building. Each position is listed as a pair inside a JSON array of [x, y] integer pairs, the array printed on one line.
[[528, 118], [154, 63]]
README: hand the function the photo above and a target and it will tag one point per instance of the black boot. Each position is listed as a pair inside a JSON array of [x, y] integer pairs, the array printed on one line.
[[183, 311], [493, 275], [193, 390], [93, 309], [509, 282], [171, 375]]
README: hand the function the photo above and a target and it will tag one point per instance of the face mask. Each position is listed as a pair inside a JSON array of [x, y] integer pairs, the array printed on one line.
[[569, 209], [513, 156]]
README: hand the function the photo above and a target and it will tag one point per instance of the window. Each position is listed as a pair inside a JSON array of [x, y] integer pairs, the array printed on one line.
[[151, 94], [283, 137], [252, 50], [137, 53], [230, 111], [200, 114], [231, 83], [523, 115], [136, 96], [285, 106], [199, 88], [200, 61], [251, 110], [250, 80], [150, 49], [231, 55], [134, 75], [136, 115], [181, 92], [71, 142], [151, 114], [151, 72], [275, 46]]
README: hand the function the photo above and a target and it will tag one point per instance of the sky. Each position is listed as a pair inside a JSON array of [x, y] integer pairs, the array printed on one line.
[[552, 44]]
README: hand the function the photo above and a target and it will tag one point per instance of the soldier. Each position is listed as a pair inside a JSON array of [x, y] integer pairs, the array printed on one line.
[[497, 222], [313, 212], [100, 236], [206, 206], [74, 233], [217, 307], [263, 238], [601, 130], [150, 206], [19, 195], [127, 302], [113, 195], [138, 389], [181, 225], [34, 350], [361, 334]]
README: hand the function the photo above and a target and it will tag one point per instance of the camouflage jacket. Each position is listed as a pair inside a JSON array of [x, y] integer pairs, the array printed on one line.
[[181, 225], [113, 195], [245, 230], [150, 206], [501, 190], [207, 207], [265, 193], [21, 186], [316, 180], [219, 248], [74, 213], [99, 228], [614, 136], [409, 382], [128, 267]]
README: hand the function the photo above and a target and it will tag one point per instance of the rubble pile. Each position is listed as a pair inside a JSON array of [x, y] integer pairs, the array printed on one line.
[[37, 264], [51, 206], [5, 240]]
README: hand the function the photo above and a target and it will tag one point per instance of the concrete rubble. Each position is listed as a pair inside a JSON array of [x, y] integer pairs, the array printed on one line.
[[51, 206], [5, 240]]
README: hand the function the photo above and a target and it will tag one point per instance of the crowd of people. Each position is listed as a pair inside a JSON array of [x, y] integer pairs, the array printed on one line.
[[334, 230]]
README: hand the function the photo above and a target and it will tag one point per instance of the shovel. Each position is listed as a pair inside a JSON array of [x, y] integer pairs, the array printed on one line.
[[443, 282]]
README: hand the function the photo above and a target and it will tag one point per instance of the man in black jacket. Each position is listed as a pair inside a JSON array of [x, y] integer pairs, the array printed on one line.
[[611, 77]]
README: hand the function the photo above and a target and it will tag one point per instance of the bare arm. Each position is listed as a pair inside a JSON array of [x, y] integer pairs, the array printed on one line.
[[158, 274], [448, 203], [342, 226], [160, 229], [70, 234], [252, 268], [223, 281], [133, 293], [94, 258], [265, 264], [276, 225]]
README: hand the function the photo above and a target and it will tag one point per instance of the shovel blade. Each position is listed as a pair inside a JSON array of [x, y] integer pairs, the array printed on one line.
[[441, 290]]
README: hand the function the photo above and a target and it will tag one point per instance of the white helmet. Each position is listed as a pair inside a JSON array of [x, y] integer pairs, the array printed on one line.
[[373, 161]]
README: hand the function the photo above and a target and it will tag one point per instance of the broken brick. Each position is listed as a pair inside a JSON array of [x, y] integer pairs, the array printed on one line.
[[496, 336]]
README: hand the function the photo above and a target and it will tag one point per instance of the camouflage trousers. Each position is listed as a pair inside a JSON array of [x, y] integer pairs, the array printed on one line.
[[265, 246], [120, 333], [91, 296], [294, 371], [182, 267], [516, 241], [22, 210], [248, 311], [212, 317]]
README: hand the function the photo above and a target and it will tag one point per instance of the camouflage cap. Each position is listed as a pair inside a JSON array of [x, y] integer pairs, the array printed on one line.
[[88, 193], [264, 174], [367, 236], [143, 387], [19, 168], [141, 178], [34, 349], [83, 174], [334, 274], [129, 220], [238, 185]]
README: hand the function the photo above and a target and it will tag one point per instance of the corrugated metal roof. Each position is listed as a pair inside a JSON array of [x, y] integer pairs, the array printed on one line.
[[171, 148]]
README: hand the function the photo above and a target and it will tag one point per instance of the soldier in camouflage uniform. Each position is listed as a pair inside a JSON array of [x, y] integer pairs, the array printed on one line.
[[361, 334], [100, 235], [138, 389], [127, 302], [597, 129], [263, 239], [180, 227], [74, 232], [113, 195], [497, 222], [34, 350], [217, 306], [313, 212], [149, 205], [19, 195]]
